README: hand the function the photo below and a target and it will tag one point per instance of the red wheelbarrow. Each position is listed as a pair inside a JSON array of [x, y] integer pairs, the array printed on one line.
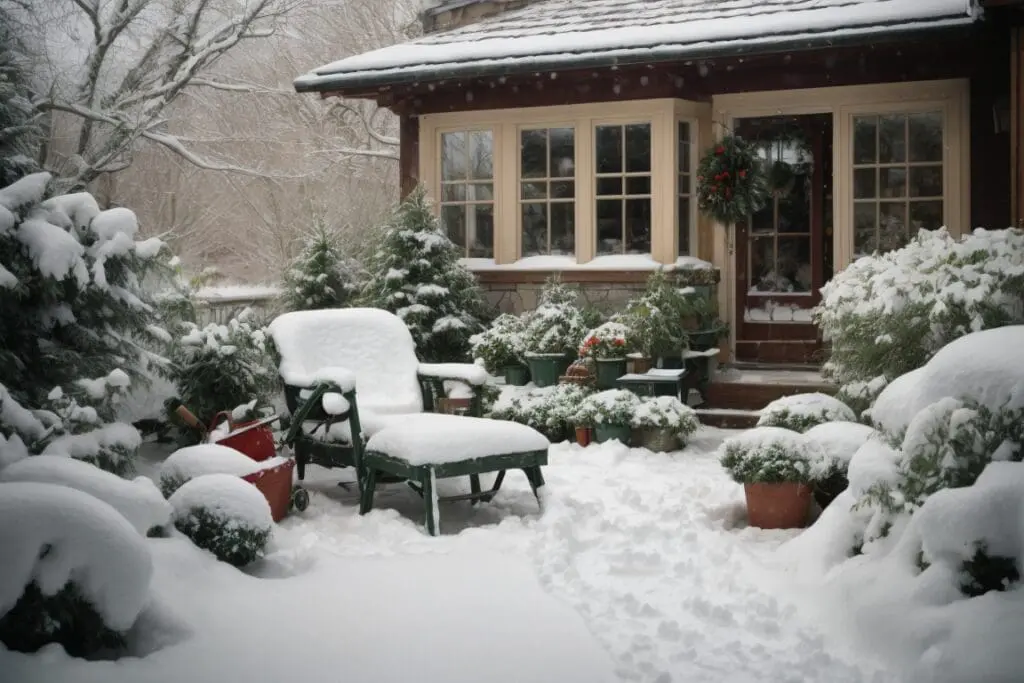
[[255, 440]]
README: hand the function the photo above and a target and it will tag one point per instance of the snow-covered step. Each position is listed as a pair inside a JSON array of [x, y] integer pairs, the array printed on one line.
[[728, 418]]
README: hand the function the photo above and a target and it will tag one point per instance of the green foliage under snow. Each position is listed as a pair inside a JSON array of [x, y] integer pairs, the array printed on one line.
[[774, 455], [557, 325], [320, 276], [549, 410], [801, 412], [501, 344], [66, 618]]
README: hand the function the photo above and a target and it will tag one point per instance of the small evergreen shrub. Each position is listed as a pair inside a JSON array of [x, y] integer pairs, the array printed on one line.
[[500, 345], [557, 325], [801, 412], [225, 515], [185, 464], [773, 455], [66, 617], [609, 340], [611, 407], [666, 412], [549, 410], [320, 276]]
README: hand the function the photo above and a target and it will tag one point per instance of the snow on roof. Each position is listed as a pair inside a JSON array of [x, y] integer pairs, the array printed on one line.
[[561, 33]]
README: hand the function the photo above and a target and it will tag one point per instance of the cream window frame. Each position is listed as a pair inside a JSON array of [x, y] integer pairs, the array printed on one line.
[[519, 201], [623, 175], [505, 125], [468, 203], [694, 215]]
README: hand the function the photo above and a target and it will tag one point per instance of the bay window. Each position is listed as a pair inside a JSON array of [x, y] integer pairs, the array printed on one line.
[[467, 190], [547, 191]]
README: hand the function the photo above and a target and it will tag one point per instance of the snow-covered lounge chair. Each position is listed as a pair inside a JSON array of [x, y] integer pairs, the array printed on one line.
[[329, 355]]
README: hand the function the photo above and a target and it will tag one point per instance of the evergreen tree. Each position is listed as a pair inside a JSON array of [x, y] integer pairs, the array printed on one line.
[[20, 134], [416, 274], [321, 276]]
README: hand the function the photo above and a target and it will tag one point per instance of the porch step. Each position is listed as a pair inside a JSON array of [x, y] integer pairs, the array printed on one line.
[[727, 418], [751, 388]]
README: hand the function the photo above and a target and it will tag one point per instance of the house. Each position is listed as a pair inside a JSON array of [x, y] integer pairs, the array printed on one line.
[[563, 136]]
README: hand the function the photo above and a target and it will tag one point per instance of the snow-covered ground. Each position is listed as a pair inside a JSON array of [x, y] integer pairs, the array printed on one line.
[[639, 569]]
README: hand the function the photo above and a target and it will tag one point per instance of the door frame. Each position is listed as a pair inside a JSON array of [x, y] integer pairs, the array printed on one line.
[[843, 102]]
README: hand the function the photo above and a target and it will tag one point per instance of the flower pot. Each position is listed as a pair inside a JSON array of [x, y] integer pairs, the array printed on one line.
[[642, 365], [673, 361], [583, 435], [546, 368], [778, 506], [658, 440], [702, 340], [609, 370], [516, 375], [607, 432]]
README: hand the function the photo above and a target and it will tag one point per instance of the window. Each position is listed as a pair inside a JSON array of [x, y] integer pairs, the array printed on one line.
[[547, 191], [897, 178], [623, 188], [467, 190], [684, 188]]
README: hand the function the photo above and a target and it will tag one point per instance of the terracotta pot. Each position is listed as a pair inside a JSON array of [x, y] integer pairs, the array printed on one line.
[[642, 365], [583, 436], [778, 506]]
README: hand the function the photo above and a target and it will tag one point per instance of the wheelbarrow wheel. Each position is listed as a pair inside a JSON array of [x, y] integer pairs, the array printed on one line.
[[300, 499]]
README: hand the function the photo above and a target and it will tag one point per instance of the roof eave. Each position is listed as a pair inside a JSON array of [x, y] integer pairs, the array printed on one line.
[[361, 84]]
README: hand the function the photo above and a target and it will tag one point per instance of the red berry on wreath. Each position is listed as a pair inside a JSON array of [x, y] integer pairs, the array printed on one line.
[[719, 150]]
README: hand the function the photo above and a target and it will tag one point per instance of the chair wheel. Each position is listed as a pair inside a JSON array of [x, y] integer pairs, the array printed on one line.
[[300, 499]]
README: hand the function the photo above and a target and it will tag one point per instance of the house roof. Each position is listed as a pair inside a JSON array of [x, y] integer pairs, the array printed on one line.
[[560, 34]]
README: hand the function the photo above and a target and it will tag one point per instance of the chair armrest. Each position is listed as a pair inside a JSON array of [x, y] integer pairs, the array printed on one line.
[[462, 372], [342, 379]]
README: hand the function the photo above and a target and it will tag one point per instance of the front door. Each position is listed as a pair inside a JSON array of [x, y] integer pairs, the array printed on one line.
[[784, 252]]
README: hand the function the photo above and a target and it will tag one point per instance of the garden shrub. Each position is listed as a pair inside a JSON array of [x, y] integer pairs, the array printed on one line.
[[774, 455], [320, 276], [500, 345], [800, 412], [666, 412], [225, 515], [887, 314], [549, 410], [65, 617], [557, 325], [190, 462], [840, 440], [610, 407], [656, 317]]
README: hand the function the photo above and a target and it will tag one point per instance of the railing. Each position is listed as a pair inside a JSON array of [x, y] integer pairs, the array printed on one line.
[[220, 306]]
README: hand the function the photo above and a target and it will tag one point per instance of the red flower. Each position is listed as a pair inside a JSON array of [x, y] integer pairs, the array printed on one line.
[[743, 173], [620, 342], [725, 174], [719, 150]]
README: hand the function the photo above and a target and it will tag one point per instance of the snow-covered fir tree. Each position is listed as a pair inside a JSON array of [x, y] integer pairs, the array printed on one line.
[[416, 274], [19, 128], [320, 276]]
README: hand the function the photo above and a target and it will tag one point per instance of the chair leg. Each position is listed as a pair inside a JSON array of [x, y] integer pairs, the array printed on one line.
[[431, 521], [366, 494], [536, 479], [474, 487]]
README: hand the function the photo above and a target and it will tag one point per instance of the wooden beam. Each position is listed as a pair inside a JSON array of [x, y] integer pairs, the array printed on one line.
[[408, 153]]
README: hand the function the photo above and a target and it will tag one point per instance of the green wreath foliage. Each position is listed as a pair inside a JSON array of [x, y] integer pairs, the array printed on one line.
[[731, 182]]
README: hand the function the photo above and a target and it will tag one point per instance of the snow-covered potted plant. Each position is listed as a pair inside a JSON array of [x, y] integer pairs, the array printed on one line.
[[607, 345], [609, 413], [552, 335], [655, 323], [776, 467], [500, 349], [801, 412], [663, 423]]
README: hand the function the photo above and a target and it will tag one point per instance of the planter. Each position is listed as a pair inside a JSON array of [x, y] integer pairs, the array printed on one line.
[[516, 375], [546, 368], [702, 340], [658, 440], [642, 365], [583, 435], [609, 370], [674, 361], [607, 432], [778, 506]]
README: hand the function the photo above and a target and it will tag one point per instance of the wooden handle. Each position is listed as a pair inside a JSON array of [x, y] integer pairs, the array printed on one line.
[[189, 418]]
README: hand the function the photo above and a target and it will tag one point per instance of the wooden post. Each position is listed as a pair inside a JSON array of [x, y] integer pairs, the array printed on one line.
[[408, 153]]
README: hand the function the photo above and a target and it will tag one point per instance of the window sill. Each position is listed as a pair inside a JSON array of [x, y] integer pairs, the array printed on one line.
[[624, 268]]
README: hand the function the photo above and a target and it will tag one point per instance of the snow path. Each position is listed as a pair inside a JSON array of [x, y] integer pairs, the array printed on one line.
[[639, 569]]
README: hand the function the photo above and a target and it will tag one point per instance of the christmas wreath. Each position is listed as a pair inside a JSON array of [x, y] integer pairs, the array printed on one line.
[[730, 181]]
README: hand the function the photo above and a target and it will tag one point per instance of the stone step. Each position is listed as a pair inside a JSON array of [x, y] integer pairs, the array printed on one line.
[[754, 387], [726, 418]]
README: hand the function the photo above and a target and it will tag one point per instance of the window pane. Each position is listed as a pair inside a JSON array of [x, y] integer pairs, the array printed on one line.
[[609, 148], [926, 181], [892, 182], [793, 264], [533, 146], [481, 192], [638, 185], [795, 212], [684, 226], [925, 216], [638, 148], [864, 183], [892, 225], [865, 240], [480, 230], [761, 273], [609, 226], [926, 137], [563, 153], [638, 226], [764, 220], [684, 184], [563, 189], [864, 128], [892, 139], [482, 154], [453, 192], [684, 146], [563, 228], [454, 155], [609, 186], [453, 221], [534, 190], [535, 229]]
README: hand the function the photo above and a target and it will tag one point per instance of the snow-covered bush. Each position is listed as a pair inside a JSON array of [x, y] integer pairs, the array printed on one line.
[[839, 441], [225, 515], [320, 276], [190, 462], [657, 317], [415, 273], [221, 367], [773, 455], [500, 345], [557, 325], [611, 407], [887, 314], [138, 500], [666, 412], [608, 340], [800, 412], [75, 571], [549, 410]]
